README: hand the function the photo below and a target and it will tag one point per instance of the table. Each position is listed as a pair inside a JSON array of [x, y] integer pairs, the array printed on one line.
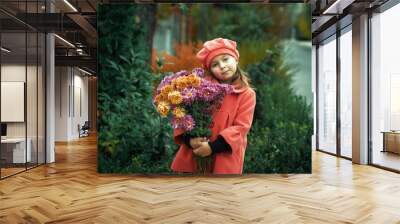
[[391, 141], [15, 148]]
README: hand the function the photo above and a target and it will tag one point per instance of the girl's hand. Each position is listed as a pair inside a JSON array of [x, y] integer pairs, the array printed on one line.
[[196, 142], [203, 150]]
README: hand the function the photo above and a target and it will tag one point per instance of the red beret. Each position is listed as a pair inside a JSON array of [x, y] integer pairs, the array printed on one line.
[[213, 48]]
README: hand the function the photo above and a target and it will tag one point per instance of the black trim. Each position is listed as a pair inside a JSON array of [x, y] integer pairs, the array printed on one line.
[[385, 168], [333, 154], [219, 145], [60, 86], [45, 95], [37, 91], [340, 23], [317, 96], [345, 157], [26, 90], [330, 153], [11, 15], [386, 6], [45, 87], [69, 98], [73, 90], [22, 171], [338, 117], [369, 90]]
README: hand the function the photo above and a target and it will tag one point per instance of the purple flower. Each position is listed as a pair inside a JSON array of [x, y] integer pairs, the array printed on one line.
[[209, 91], [199, 72], [189, 95], [187, 123], [181, 73], [176, 122], [166, 81]]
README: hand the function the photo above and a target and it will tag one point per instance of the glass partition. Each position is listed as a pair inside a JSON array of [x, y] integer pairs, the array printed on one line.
[[22, 100], [346, 93], [385, 89], [327, 96], [14, 152]]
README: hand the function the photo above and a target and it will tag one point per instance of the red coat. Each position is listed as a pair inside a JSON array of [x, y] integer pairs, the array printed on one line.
[[233, 122]]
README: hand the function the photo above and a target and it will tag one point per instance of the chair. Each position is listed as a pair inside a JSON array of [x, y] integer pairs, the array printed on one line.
[[84, 130]]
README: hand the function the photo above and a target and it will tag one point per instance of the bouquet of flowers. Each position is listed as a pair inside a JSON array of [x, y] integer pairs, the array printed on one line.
[[189, 100]]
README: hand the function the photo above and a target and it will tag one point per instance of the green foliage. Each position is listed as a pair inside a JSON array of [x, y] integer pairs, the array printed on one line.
[[280, 139], [242, 22], [132, 137], [203, 119]]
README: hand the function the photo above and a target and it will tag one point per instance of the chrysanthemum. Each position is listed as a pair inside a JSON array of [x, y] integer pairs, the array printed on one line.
[[166, 90], [176, 122], [199, 72], [189, 95], [194, 80], [175, 97], [163, 108], [158, 98], [179, 112], [181, 83], [188, 123]]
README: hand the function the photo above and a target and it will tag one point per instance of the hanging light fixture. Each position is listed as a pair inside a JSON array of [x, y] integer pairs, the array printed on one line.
[[70, 5], [5, 50]]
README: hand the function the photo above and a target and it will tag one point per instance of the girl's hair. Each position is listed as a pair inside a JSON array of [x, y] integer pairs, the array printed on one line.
[[243, 77]]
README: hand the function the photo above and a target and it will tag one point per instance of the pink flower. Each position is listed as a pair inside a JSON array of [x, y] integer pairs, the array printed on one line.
[[189, 95]]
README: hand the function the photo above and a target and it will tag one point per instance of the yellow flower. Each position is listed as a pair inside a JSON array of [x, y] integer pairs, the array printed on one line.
[[159, 98], [181, 83], [163, 108], [166, 89], [192, 76], [175, 97], [196, 82], [179, 112], [174, 83]]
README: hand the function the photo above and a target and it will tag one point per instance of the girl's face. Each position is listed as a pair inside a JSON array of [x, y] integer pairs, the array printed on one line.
[[223, 67]]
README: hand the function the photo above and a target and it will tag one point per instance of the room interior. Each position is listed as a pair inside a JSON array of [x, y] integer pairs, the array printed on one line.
[[48, 172]]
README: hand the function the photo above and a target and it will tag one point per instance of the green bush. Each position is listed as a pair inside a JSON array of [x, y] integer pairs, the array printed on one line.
[[280, 139], [132, 137]]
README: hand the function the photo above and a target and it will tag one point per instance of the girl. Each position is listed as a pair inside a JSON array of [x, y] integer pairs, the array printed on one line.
[[231, 122]]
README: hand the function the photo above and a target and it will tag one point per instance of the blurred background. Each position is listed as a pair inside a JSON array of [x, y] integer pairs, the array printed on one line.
[[181, 29]]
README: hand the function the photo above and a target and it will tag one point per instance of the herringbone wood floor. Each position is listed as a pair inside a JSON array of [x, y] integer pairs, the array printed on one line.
[[71, 191]]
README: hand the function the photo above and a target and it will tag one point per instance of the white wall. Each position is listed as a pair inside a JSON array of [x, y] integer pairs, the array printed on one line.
[[62, 81], [16, 73], [71, 94]]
